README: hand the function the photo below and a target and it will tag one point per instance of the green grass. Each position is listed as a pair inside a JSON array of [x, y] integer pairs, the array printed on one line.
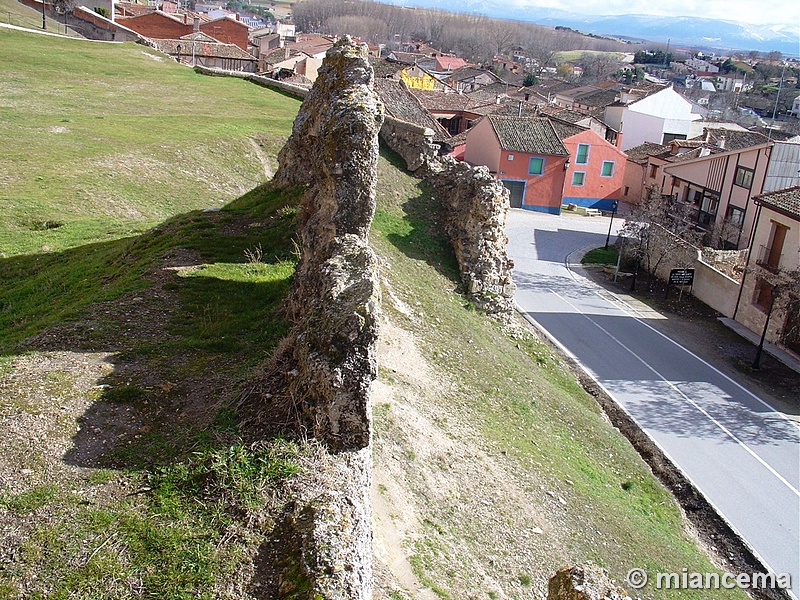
[[16, 13], [166, 542], [570, 55], [103, 141], [527, 406], [601, 256]]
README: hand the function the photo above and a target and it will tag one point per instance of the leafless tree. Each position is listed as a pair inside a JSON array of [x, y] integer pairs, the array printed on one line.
[[657, 233], [366, 28]]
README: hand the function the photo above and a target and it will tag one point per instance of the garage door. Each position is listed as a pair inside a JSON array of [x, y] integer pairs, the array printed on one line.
[[517, 191]]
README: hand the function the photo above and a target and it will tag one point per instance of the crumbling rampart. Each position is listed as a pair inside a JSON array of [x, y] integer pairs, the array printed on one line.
[[413, 142], [475, 205], [325, 367]]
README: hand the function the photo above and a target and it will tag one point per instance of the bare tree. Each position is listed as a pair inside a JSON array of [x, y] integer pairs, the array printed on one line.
[[502, 37], [366, 28], [657, 233]]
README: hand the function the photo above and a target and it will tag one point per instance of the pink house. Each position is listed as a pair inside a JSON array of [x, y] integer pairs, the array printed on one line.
[[596, 171], [546, 162], [526, 154]]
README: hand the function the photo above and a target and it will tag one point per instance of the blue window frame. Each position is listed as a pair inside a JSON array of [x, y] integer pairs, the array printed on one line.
[[536, 165], [578, 178], [582, 154], [607, 170]]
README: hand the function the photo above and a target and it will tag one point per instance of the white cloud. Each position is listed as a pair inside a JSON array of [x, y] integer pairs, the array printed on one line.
[[748, 11]]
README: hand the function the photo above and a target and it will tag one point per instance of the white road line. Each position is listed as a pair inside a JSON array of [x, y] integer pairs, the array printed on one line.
[[568, 353], [682, 394], [634, 314]]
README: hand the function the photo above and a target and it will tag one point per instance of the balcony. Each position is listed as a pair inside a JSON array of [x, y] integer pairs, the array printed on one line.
[[769, 258]]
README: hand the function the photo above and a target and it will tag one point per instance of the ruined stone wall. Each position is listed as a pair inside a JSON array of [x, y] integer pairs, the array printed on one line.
[[413, 142], [333, 150], [281, 86], [325, 367], [475, 206]]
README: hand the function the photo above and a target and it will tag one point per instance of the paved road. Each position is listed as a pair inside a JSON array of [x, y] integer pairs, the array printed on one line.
[[743, 455]]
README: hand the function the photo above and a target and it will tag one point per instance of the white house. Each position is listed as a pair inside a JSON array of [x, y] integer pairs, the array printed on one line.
[[658, 118], [796, 107]]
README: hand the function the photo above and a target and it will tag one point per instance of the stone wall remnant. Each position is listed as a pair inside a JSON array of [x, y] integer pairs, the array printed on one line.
[[413, 142], [583, 582], [333, 303], [324, 368], [475, 205]]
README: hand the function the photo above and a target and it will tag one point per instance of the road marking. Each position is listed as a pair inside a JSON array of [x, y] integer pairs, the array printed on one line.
[[682, 394], [634, 314], [569, 353]]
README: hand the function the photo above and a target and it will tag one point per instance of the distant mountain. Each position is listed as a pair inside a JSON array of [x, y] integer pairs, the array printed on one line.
[[694, 32], [685, 31]]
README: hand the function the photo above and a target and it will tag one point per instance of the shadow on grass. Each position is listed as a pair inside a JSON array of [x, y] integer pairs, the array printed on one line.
[[415, 227], [183, 314]]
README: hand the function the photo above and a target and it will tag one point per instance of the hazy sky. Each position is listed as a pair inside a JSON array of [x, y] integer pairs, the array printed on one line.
[[749, 11]]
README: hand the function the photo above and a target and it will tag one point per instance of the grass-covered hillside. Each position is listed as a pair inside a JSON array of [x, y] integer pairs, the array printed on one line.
[[102, 140], [124, 359], [15, 13]]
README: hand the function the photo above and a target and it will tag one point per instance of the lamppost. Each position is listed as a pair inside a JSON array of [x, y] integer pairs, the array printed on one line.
[[773, 292], [614, 206]]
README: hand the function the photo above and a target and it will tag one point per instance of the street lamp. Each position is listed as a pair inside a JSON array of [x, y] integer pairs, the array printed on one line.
[[614, 206], [773, 292]]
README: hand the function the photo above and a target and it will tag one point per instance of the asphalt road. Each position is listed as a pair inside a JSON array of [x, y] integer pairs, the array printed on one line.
[[742, 455]]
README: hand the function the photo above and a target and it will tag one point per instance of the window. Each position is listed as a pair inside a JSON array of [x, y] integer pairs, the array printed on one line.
[[744, 177], [772, 254], [607, 169], [510, 157], [582, 155], [627, 191], [536, 166], [735, 216], [578, 178], [668, 137], [653, 171], [762, 296]]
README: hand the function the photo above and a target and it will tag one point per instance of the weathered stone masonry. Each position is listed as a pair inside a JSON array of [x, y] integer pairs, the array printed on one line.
[[475, 206], [326, 366]]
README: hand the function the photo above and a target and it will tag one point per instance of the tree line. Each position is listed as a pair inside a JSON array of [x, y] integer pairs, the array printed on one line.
[[476, 38]]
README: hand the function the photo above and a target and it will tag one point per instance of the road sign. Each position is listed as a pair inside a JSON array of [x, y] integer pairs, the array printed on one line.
[[681, 277]]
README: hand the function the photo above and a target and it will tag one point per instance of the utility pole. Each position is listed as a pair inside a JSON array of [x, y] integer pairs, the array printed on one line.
[[44, 18], [777, 98]]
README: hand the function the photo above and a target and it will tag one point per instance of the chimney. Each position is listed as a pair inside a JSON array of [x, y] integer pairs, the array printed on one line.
[[708, 136], [721, 142], [196, 26], [286, 52]]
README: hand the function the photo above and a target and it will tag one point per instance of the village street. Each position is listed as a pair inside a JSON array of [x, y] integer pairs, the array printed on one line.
[[743, 455]]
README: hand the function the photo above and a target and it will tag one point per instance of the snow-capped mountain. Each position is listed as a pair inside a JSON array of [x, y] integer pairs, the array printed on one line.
[[684, 31]]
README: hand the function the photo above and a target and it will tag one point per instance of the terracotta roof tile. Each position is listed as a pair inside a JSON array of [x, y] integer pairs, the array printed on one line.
[[786, 200], [531, 135], [439, 100], [640, 154], [401, 104]]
